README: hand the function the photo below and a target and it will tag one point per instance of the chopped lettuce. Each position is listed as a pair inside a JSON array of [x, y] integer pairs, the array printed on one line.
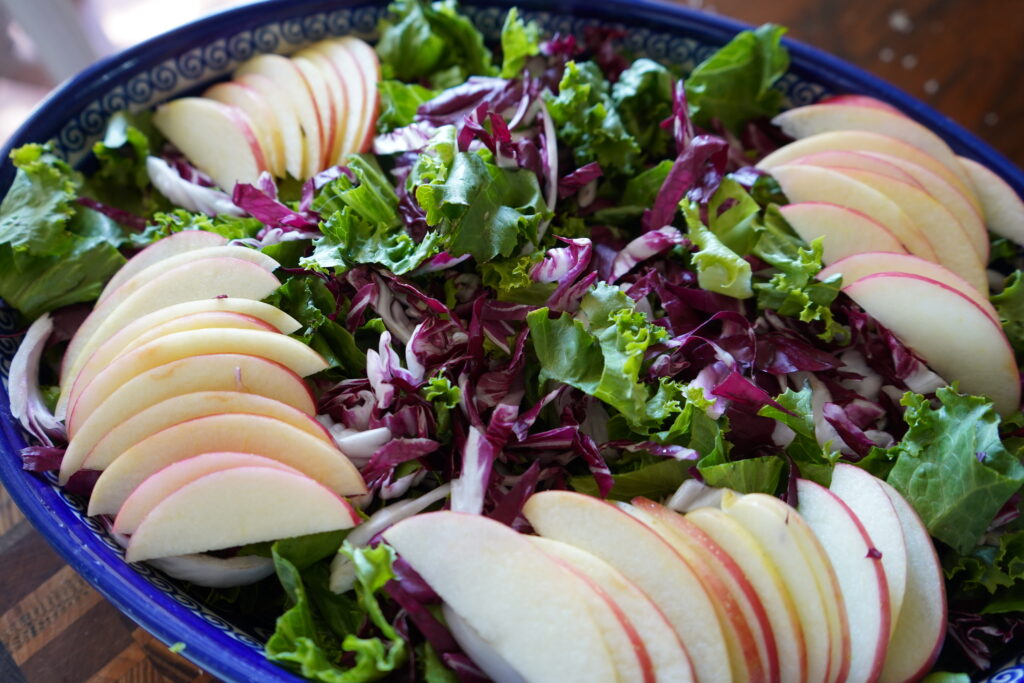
[[643, 99], [952, 466], [1010, 305], [734, 85], [519, 42], [399, 102]]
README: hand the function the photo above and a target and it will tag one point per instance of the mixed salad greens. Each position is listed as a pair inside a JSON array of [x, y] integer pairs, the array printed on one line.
[[558, 269]]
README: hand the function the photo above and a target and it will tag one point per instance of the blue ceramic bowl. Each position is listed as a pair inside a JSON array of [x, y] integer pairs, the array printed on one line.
[[188, 58]]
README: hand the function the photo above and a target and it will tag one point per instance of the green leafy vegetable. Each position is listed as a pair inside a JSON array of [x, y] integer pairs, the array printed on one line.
[[399, 102], [719, 268], [735, 84], [952, 467], [178, 220], [320, 627], [122, 179], [432, 41], [519, 41], [1010, 305], [795, 411], [655, 479], [587, 121], [53, 252], [643, 99]]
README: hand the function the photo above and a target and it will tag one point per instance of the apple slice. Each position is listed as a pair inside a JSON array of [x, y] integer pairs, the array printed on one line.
[[218, 139], [260, 114], [293, 144], [517, 600], [764, 576], [291, 353], [354, 80], [369, 66], [868, 501], [212, 372], [237, 432], [337, 90], [172, 245], [745, 624], [919, 632], [326, 104], [845, 231], [185, 407], [858, 160], [646, 560], [806, 121], [857, 266], [817, 184], [860, 100], [935, 222], [705, 551], [295, 89], [952, 333], [202, 279], [163, 483], [859, 570], [962, 208], [114, 347], [1003, 209], [668, 655], [805, 571], [229, 508], [864, 141]]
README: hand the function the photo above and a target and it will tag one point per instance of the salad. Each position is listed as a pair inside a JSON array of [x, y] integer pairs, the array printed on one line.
[[520, 279]]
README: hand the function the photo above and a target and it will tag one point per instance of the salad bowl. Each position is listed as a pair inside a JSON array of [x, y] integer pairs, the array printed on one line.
[[188, 59]]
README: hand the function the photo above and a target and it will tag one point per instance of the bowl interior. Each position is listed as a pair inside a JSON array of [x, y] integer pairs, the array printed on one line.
[[191, 57]]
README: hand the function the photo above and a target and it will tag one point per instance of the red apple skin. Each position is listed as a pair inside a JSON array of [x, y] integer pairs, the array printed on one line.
[[861, 101], [367, 58]]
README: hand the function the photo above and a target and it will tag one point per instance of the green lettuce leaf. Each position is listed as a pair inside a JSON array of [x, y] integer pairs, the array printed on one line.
[[511, 281], [1010, 305], [53, 252], [643, 99], [655, 478], [952, 467], [320, 627], [307, 299], [164, 224], [587, 121], [813, 461], [432, 41], [121, 179], [719, 268], [483, 209], [638, 195], [734, 85], [362, 224], [519, 42], [399, 102]]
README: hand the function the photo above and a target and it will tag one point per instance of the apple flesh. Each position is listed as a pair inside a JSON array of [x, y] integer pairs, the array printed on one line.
[[865, 497], [335, 91], [119, 345], [291, 353], [919, 632], [704, 550], [326, 108], [803, 567], [218, 139], [163, 483], [172, 245], [741, 625], [952, 333], [203, 279], [857, 266], [764, 577], [860, 100], [292, 142], [947, 237], [295, 90], [809, 120], [212, 372], [260, 114], [236, 432], [844, 230], [188, 407], [862, 581], [962, 208], [859, 161], [229, 508], [369, 67], [668, 655], [644, 558], [1003, 209], [864, 141], [816, 184], [518, 601]]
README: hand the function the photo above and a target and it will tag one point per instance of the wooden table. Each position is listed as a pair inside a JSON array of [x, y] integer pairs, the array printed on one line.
[[962, 56]]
